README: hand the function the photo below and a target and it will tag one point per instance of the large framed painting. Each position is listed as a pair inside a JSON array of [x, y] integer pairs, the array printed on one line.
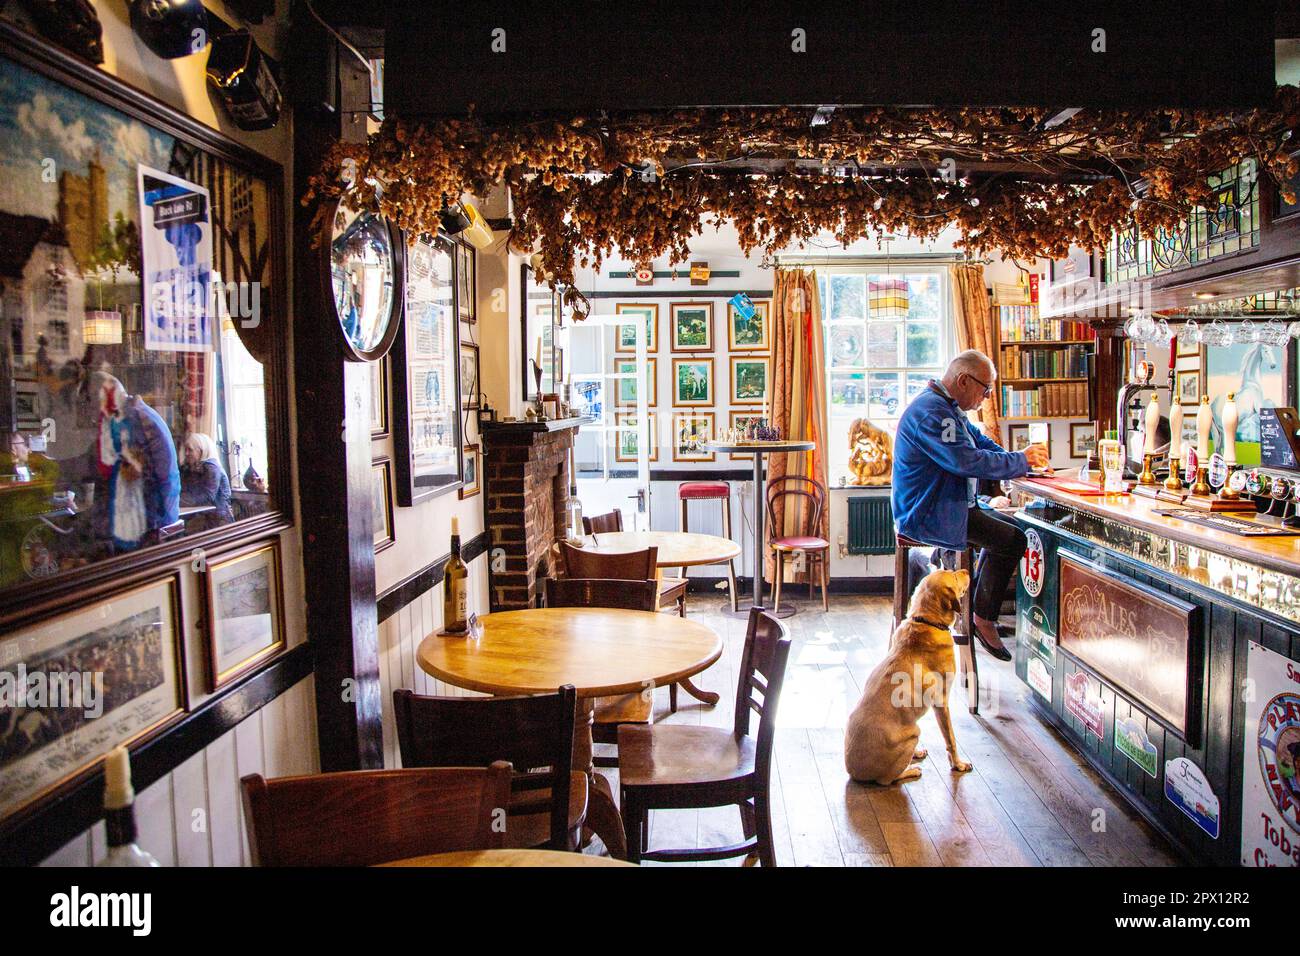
[[625, 335], [381, 503], [245, 611], [126, 681], [748, 335], [426, 366], [692, 326], [749, 380], [693, 381], [1257, 374], [143, 295]]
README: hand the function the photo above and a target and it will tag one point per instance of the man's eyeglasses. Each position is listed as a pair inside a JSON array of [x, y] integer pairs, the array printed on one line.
[[987, 386]]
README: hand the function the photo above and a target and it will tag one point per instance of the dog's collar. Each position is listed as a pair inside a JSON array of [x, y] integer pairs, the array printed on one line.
[[921, 620]]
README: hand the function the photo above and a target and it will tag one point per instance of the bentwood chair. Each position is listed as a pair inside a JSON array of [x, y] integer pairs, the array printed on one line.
[[680, 766], [610, 713], [798, 486], [671, 590], [365, 817], [548, 803], [966, 640]]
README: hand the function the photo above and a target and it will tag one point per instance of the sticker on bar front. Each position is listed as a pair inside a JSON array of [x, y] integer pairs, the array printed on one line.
[[1031, 563], [1188, 790], [1083, 703], [1132, 741], [1039, 677], [1037, 634]]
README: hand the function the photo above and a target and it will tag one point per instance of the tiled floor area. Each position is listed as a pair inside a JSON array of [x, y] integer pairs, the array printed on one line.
[[1030, 801]]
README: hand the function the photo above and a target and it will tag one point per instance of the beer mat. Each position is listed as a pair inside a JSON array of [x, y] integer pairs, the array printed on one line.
[[1229, 523], [1072, 486]]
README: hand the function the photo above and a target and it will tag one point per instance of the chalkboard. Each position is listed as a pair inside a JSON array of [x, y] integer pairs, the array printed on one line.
[[1279, 438]]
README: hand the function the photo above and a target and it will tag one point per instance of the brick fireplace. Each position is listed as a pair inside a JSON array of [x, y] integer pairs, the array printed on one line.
[[526, 481]]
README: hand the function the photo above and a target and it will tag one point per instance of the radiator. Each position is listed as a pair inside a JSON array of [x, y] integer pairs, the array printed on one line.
[[871, 525]]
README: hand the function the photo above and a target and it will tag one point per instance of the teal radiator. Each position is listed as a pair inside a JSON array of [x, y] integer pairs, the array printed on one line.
[[871, 525]]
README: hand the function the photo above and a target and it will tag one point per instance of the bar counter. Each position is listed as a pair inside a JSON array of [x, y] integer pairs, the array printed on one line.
[[1163, 651]]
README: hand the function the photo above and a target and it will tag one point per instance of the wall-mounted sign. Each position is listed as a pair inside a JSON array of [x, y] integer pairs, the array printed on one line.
[[1270, 791], [1137, 638], [176, 250], [1132, 741], [1036, 632], [1188, 790], [1083, 700], [645, 275]]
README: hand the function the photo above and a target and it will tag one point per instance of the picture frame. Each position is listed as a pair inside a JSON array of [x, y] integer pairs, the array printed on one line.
[[134, 639], [244, 603], [1083, 439], [626, 343], [1188, 350], [1260, 375], [692, 326], [688, 425], [1187, 384], [381, 503], [469, 394], [693, 382], [379, 378], [625, 388], [1018, 438], [740, 420], [472, 485], [751, 380], [426, 394], [1075, 267], [749, 335], [625, 442], [466, 282]]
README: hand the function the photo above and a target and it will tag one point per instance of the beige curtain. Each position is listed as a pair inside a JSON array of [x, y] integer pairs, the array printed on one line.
[[973, 320], [798, 399]]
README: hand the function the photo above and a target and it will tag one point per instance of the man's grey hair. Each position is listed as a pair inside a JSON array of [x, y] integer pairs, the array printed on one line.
[[972, 362]]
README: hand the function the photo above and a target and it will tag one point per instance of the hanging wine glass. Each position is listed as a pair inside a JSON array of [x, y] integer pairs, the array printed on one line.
[[1190, 334]]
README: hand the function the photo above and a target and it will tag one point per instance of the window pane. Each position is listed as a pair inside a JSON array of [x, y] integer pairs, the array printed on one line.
[[883, 398], [848, 297], [923, 293], [922, 344], [849, 392], [882, 344], [847, 345], [916, 383]]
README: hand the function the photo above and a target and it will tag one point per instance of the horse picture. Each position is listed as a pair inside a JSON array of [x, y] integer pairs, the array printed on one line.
[[1254, 373]]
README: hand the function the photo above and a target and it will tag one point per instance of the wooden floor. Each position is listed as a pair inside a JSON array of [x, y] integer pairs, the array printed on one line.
[[1030, 801]]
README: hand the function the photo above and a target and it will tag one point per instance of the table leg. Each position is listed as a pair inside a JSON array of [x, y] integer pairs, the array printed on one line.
[[704, 696], [758, 529], [603, 818]]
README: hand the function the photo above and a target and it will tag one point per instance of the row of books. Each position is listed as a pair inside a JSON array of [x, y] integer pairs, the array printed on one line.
[[1021, 323], [1070, 362], [1064, 400]]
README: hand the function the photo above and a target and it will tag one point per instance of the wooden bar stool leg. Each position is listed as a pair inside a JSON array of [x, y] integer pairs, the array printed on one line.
[[682, 524], [808, 564], [826, 579], [900, 583], [731, 565], [776, 581], [970, 666]]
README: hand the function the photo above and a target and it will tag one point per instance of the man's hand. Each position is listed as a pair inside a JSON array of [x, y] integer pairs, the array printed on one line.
[[1037, 455]]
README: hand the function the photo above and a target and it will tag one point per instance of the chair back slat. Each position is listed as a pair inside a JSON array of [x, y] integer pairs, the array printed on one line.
[[628, 566], [767, 650], [364, 817], [599, 524], [603, 592], [528, 732], [796, 486]]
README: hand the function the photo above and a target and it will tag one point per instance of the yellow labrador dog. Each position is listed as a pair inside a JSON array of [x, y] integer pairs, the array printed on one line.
[[916, 674]]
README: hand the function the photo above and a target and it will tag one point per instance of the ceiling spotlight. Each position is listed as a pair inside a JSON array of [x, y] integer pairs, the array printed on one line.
[[822, 116], [1204, 295]]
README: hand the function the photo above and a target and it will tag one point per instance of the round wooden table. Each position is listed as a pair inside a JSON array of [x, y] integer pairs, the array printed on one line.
[[677, 549], [509, 858], [602, 652]]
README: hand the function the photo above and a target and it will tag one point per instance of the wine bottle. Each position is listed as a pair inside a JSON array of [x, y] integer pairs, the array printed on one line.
[[119, 814], [455, 588]]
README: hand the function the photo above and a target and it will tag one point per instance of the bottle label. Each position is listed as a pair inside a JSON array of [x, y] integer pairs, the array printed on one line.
[[460, 600]]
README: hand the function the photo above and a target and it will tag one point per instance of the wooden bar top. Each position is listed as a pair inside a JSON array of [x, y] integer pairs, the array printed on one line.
[[1280, 553]]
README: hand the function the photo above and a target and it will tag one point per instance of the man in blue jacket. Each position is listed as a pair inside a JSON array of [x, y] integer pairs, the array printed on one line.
[[938, 458]]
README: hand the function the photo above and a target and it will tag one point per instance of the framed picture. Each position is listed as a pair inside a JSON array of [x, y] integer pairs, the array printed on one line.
[[469, 375], [1083, 439], [741, 420], [628, 436], [690, 431], [692, 326], [379, 399], [1075, 267], [245, 611], [1258, 374], [693, 381], [381, 502], [466, 282], [473, 466], [748, 335], [126, 649], [1018, 439], [588, 397], [749, 380], [1188, 350], [627, 386], [625, 335], [426, 392], [1187, 383]]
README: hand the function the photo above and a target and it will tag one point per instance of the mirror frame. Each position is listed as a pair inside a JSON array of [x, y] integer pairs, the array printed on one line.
[[395, 243]]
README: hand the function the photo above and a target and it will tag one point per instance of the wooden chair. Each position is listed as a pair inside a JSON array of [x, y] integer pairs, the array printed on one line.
[[546, 806], [671, 590], [903, 595], [679, 766], [809, 544], [364, 817]]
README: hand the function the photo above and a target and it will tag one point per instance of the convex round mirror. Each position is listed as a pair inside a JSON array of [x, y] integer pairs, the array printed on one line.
[[365, 280]]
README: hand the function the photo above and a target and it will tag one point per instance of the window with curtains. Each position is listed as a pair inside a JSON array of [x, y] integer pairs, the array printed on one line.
[[888, 332]]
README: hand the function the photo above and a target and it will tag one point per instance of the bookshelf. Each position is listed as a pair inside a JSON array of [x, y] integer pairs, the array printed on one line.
[[1042, 365]]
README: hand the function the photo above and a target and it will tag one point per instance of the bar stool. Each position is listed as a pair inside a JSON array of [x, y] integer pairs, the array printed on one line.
[[902, 594], [689, 491]]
